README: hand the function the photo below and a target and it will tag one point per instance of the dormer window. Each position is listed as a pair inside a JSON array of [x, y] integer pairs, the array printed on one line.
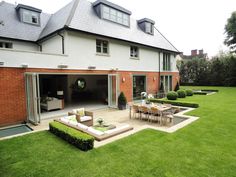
[[30, 17], [112, 12], [28, 14], [147, 25]]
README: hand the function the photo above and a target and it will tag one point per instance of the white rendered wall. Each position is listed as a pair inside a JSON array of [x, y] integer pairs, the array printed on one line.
[[80, 52], [21, 45], [52, 45]]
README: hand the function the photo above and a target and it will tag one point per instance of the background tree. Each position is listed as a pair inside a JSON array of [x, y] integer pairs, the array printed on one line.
[[230, 30]]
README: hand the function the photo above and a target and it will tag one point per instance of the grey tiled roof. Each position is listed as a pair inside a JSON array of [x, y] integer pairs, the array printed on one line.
[[78, 15], [15, 29]]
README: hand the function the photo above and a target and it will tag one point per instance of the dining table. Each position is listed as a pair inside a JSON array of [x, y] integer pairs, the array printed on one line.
[[161, 107]]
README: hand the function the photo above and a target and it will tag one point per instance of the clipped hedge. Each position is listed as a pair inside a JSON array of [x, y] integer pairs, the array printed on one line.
[[200, 93], [208, 90], [172, 95], [189, 92], [175, 103], [181, 93], [79, 139]]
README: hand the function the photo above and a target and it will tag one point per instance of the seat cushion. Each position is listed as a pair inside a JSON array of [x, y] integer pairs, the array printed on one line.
[[82, 126], [85, 118], [96, 132]]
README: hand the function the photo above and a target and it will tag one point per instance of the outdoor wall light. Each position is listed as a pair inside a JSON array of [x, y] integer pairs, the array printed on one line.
[[1, 63], [91, 67], [123, 79], [61, 66], [24, 65], [154, 78]]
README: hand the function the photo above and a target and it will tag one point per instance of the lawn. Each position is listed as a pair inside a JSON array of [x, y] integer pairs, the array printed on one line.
[[206, 147]]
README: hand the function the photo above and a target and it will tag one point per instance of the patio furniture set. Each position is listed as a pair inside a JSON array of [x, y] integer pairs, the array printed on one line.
[[160, 113], [82, 120]]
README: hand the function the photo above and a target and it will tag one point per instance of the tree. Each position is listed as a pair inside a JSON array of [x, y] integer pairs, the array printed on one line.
[[230, 30]]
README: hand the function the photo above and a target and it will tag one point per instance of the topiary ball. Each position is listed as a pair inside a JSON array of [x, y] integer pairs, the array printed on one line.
[[172, 95], [181, 93], [189, 92]]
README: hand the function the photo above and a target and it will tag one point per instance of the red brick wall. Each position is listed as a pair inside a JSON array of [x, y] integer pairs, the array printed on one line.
[[12, 89]]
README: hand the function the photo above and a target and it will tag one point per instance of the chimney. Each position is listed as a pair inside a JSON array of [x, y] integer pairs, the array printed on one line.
[[194, 52], [200, 52]]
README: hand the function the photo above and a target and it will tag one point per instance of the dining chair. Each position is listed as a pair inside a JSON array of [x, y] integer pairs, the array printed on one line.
[[144, 110], [155, 115], [136, 111]]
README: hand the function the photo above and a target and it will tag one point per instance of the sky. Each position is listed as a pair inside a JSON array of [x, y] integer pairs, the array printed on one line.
[[187, 24]]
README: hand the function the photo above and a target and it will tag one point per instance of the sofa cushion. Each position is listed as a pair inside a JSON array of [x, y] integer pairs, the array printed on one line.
[[96, 132], [79, 111], [82, 126], [85, 118], [73, 123], [64, 119]]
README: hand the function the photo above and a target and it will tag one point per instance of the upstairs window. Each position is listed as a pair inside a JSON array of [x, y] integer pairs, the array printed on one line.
[[30, 17], [134, 53], [7, 45], [102, 46], [166, 62], [114, 15], [149, 28]]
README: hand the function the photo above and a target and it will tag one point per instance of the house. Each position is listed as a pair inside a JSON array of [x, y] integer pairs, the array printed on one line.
[[84, 53], [194, 54]]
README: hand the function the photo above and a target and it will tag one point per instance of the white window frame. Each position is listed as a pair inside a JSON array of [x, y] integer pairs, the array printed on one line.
[[134, 52], [101, 46], [115, 15], [29, 16], [166, 62], [4, 45]]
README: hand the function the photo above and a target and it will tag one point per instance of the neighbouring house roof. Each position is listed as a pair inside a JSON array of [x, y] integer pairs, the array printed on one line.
[[78, 15]]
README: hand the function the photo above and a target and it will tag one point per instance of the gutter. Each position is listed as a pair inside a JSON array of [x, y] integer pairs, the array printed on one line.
[[159, 60], [62, 42]]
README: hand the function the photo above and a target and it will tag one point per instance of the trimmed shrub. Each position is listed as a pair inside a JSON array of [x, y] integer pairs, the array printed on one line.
[[122, 101], [189, 92], [172, 95], [181, 93], [79, 139], [175, 103]]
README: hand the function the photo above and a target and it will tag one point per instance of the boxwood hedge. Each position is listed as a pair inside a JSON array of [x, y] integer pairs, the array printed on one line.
[[79, 139], [175, 103]]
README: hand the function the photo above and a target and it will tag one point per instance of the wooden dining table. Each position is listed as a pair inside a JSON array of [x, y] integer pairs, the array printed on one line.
[[161, 108]]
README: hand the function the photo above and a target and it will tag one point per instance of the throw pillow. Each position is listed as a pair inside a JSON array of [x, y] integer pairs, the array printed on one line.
[[81, 112]]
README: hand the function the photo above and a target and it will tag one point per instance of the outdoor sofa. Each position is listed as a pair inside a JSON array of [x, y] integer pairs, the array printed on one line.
[[98, 135]]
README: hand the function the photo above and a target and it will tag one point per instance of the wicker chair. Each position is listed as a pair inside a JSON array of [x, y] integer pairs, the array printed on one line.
[[144, 111], [136, 111], [87, 119]]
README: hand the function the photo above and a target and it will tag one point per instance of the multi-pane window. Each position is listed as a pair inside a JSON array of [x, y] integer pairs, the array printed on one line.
[[115, 15], [134, 52], [149, 28], [101, 46], [30, 17], [166, 62], [7, 45]]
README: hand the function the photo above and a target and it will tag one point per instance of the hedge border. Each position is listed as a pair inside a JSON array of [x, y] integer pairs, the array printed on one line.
[[200, 93], [175, 103], [79, 139], [209, 90]]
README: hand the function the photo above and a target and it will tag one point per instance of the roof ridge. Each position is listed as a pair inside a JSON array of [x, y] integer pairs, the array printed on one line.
[[73, 9], [166, 38]]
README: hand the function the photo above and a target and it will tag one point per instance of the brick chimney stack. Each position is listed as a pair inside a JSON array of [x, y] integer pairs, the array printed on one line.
[[201, 52], [194, 52]]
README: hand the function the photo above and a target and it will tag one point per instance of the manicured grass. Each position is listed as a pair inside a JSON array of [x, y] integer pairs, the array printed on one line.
[[206, 148]]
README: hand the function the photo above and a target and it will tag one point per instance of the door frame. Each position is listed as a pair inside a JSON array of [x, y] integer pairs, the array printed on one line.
[[109, 88]]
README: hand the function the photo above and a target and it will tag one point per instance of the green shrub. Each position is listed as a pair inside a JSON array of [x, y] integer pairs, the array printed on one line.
[[181, 93], [122, 99], [172, 95], [189, 92], [79, 139], [175, 103]]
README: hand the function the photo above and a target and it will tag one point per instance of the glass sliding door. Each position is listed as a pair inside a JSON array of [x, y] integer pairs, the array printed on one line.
[[33, 98], [139, 86], [112, 90], [166, 81]]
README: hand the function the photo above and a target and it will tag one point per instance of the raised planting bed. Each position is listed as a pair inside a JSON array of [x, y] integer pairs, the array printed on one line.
[[175, 103]]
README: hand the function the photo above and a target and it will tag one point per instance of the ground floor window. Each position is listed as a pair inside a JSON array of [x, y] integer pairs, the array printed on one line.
[[166, 83], [139, 86]]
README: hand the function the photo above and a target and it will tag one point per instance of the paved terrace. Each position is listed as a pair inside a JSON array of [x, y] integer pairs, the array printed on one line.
[[114, 116]]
